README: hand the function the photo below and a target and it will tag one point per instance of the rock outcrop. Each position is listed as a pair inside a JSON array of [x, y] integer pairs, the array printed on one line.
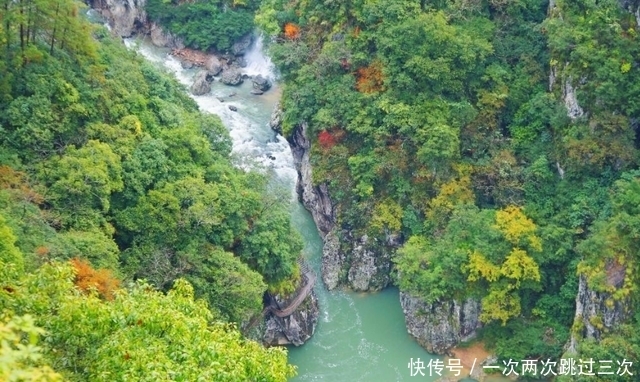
[[202, 83], [295, 329], [314, 198], [440, 326], [261, 83], [241, 46], [597, 312], [570, 100], [332, 261], [232, 77], [125, 17], [369, 262], [275, 123], [213, 65], [161, 38]]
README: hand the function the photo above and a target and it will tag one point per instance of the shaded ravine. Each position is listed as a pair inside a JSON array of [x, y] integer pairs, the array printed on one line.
[[360, 337]]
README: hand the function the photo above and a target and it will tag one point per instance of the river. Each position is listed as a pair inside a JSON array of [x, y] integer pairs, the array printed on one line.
[[359, 337]]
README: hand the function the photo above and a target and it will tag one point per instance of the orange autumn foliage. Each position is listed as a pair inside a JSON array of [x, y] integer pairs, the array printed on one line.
[[370, 79], [291, 31], [42, 251], [15, 181], [101, 280]]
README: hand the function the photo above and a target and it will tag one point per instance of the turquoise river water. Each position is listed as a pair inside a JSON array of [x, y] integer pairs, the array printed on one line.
[[359, 337]]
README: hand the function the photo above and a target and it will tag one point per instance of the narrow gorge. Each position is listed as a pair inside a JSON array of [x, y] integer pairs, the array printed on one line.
[[356, 324]]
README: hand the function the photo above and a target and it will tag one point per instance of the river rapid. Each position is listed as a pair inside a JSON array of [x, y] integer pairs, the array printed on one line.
[[359, 337]]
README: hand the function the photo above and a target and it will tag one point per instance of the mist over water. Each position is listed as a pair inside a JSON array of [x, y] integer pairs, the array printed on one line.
[[359, 337], [257, 62]]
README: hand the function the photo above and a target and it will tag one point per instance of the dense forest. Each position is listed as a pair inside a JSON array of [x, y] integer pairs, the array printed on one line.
[[498, 139], [129, 243]]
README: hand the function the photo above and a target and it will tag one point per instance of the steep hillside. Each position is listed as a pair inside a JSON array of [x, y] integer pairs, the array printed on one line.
[[472, 152]]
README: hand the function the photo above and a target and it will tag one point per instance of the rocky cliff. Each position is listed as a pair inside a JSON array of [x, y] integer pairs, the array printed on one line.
[[359, 262], [125, 17], [295, 329], [128, 18], [440, 326], [597, 312]]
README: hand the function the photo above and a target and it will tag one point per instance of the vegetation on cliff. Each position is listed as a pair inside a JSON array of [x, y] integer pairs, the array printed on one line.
[[205, 24], [109, 175], [447, 123]]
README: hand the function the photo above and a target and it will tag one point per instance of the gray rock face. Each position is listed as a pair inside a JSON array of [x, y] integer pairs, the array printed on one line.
[[275, 123], [126, 17], [332, 261], [240, 47], [232, 77], [201, 84], [261, 83], [593, 315], [162, 39], [370, 266], [314, 198], [570, 100], [213, 65], [241, 61], [440, 326], [295, 329]]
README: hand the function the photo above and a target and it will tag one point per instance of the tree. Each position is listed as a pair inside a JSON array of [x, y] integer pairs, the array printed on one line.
[[20, 361], [11, 261], [142, 333], [82, 181]]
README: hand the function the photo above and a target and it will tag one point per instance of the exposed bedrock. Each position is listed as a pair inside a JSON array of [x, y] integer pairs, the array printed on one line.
[[358, 262], [598, 312], [442, 325], [295, 329]]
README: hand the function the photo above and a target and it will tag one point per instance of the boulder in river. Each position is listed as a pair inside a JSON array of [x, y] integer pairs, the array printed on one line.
[[241, 62], [256, 92], [201, 83], [213, 65], [233, 108], [261, 83], [232, 77]]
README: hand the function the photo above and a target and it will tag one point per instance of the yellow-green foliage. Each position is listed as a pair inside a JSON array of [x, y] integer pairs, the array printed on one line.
[[500, 305], [519, 266], [20, 359], [452, 193], [387, 214], [503, 301], [516, 227], [481, 268]]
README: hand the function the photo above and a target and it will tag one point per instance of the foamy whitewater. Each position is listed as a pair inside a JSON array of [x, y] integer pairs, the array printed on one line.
[[359, 337], [255, 145]]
